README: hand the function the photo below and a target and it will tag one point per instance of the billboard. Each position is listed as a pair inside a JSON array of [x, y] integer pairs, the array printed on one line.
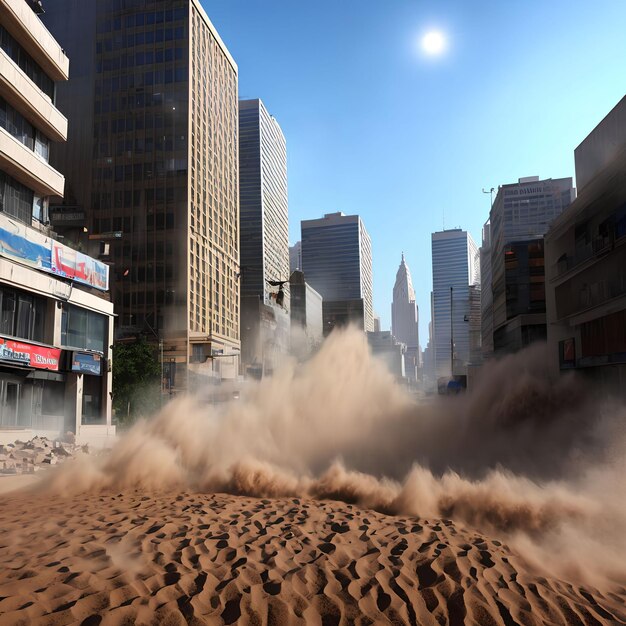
[[25, 245], [29, 355], [29, 247]]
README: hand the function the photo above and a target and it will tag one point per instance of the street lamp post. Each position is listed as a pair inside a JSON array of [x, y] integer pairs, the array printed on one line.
[[451, 333]]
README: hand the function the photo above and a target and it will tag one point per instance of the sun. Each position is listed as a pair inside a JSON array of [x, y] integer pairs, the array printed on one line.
[[433, 43]]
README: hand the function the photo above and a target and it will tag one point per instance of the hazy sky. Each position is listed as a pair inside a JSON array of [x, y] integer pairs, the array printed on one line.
[[375, 127]]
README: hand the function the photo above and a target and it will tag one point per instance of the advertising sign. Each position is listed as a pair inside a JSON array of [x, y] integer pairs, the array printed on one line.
[[87, 363], [23, 244], [27, 246], [77, 266], [20, 353]]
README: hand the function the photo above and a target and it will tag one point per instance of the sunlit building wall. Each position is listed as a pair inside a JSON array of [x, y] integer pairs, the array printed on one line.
[[455, 263], [155, 157]]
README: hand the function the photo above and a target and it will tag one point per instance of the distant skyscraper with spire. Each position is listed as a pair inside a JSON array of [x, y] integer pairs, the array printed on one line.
[[405, 318]]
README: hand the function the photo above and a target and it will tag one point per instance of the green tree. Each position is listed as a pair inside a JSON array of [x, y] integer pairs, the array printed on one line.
[[136, 380]]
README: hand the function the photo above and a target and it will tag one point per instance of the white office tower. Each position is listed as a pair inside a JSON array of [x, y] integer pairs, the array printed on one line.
[[456, 266]]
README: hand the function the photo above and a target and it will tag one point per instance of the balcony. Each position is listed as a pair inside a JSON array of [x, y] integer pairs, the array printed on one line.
[[20, 20], [27, 98], [25, 166]]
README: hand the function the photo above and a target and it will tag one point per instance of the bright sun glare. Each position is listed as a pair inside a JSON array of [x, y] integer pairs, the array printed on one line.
[[433, 43]]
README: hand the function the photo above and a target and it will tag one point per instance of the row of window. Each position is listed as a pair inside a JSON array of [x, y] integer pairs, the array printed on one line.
[[22, 315], [19, 127], [141, 19], [26, 63], [149, 37], [140, 145], [142, 171], [21, 202]]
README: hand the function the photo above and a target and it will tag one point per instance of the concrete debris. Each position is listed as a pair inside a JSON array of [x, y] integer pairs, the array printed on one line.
[[27, 457]]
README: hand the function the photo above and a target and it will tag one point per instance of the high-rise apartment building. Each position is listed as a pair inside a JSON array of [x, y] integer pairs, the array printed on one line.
[[55, 316], [337, 262], [456, 266], [405, 319], [264, 237], [152, 159], [520, 216], [585, 252]]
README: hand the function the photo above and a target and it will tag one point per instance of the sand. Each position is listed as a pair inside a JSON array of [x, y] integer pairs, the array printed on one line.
[[190, 558]]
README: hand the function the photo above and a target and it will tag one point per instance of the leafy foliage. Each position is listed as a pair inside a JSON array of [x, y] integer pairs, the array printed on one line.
[[136, 380]]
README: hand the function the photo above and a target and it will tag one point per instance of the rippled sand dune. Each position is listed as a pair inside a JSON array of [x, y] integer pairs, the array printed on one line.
[[132, 558]]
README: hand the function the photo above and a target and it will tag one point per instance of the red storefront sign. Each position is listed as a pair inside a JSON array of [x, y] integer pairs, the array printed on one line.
[[29, 355]]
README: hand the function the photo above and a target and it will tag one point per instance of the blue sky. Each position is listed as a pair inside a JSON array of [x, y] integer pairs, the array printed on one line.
[[376, 128]]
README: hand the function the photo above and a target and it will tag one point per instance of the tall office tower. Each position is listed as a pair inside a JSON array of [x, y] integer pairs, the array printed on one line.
[[486, 297], [295, 257], [455, 267], [264, 237], [405, 319], [519, 218], [152, 157], [337, 262], [264, 230], [55, 316]]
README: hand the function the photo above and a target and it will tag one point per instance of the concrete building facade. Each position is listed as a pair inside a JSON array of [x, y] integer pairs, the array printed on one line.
[[455, 263], [520, 216], [585, 254], [154, 156], [337, 262], [307, 326], [55, 319]]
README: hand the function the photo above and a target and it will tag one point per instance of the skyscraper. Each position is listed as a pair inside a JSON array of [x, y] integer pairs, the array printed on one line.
[[152, 157], [405, 318], [264, 236], [519, 218], [455, 267], [337, 262], [263, 202]]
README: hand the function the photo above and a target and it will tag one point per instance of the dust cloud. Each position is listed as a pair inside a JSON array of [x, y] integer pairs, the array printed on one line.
[[536, 459]]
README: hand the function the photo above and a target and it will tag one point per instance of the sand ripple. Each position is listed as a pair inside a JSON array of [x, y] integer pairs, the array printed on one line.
[[215, 559]]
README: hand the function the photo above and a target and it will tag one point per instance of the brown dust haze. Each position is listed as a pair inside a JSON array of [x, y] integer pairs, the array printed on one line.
[[535, 460]]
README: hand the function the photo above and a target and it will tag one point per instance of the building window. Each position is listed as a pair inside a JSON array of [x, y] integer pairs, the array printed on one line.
[[26, 63], [83, 329], [16, 199], [22, 315]]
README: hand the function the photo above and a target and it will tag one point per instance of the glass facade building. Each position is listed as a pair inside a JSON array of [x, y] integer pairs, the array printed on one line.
[[337, 263], [263, 202], [153, 154], [456, 266]]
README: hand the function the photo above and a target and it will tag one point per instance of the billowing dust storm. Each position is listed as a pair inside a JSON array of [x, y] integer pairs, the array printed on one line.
[[537, 460]]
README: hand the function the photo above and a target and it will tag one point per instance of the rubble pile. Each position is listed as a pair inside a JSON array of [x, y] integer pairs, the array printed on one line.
[[27, 457]]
